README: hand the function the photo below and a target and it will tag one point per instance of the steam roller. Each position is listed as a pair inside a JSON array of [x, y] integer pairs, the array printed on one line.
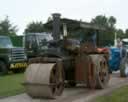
[[66, 62]]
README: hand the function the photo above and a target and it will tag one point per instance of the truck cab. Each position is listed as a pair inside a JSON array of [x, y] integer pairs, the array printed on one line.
[[11, 58], [36, 43]]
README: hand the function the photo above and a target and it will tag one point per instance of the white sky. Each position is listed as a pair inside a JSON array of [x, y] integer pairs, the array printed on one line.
[[21, 12]]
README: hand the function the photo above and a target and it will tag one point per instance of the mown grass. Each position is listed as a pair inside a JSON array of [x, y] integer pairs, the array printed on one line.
[[118, 95], [11, 84]]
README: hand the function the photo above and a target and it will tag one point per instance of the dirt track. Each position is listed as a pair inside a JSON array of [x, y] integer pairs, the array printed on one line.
[[78, 94]]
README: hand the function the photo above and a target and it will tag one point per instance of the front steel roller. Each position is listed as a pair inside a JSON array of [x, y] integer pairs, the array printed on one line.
[[98, 75], [44, 80]]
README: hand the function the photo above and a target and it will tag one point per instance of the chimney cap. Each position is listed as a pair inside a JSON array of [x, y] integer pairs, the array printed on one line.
[[56, 14]]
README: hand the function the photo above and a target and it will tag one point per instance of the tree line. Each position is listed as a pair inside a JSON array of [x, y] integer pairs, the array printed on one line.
[[7, 28]]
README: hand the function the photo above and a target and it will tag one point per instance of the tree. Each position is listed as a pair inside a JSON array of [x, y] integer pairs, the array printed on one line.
[[100, 20], [111, 21], [6, 28], [34, 27], [107, 37], [120, 33], [126, 33]]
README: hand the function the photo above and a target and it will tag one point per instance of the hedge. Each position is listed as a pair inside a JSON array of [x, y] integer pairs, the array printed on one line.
[[17, 41]]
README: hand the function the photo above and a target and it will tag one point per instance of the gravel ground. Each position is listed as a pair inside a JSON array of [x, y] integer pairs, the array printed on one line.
[[78, 94]]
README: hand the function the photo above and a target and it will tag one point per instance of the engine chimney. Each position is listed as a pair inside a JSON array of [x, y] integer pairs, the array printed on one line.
[[56, 26]]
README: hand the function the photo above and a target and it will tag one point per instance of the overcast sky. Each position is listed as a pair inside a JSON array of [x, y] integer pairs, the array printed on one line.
[[21, 12]]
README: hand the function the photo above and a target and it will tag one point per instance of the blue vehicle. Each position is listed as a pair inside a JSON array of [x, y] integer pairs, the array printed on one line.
[[114, 59], [118, 61]]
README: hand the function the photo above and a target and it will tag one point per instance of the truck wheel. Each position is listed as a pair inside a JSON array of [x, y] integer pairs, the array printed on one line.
[[124, 67], [3, 68]]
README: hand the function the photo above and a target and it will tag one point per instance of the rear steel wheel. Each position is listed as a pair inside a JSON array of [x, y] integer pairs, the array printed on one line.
[[102, 73], [98, 72]]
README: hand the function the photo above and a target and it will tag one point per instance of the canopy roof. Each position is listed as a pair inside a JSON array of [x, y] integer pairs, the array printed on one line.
[[75, 25]]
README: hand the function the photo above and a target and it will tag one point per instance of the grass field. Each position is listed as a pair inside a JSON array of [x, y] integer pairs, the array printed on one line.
[[11, 85], [119, 95]]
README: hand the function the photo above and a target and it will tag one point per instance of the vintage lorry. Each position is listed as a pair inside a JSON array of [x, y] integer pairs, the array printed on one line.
[[11, 58]]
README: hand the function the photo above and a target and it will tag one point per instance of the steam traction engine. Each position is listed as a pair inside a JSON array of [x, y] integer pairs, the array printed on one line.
[[66, 61]]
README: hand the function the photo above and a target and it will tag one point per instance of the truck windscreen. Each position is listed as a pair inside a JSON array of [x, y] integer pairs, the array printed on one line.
[[125, 44], [5, 42], [30, 41]]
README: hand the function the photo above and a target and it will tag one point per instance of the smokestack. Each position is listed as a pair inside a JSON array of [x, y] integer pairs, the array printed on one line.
[[56, 26]]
